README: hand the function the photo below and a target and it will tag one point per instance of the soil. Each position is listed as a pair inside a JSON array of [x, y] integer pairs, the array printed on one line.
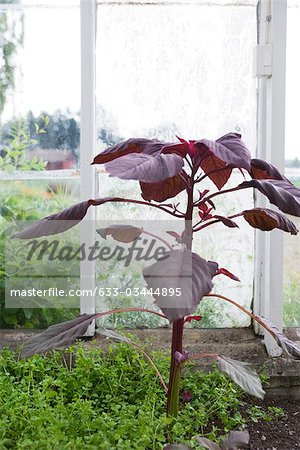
[[281, 434]]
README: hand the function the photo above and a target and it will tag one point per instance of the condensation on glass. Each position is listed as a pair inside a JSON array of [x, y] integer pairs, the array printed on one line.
[[181, 68], [41, 105], [39, 123], [40, 102], [291, 307]]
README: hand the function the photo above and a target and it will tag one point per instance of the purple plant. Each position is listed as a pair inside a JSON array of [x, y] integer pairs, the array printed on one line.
[[164, 170]]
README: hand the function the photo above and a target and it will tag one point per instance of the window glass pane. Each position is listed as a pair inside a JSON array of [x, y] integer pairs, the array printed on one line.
[[39, 128], [40, 85], [181, 68], [23, 201], [51, 3], [292, 165]]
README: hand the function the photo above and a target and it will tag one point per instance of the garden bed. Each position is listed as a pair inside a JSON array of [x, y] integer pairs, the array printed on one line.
[[283, 434], [269, 427]]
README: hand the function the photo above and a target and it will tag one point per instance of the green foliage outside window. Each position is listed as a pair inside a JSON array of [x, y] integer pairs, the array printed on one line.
[[14, 152], [11, 37]]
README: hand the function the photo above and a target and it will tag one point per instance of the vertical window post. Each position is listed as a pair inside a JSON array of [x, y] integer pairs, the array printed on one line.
[[88, 144], [270, 70]]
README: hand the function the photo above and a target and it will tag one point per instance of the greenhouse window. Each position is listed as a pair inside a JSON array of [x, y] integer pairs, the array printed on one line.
[[154, 69]]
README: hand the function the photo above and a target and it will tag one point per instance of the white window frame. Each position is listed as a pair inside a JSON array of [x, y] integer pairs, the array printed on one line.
[[270, 68], [88, 182]]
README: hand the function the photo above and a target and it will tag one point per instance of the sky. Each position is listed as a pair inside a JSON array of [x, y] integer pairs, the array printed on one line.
[[144, 85]]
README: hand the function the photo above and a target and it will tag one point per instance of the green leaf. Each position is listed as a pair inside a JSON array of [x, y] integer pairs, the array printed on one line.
[[28, 312], [10, 316]]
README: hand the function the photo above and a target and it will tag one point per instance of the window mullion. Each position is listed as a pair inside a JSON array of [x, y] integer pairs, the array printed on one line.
[[88, 145], [268, 294]]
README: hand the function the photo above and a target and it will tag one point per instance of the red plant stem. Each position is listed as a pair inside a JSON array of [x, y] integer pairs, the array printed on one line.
[[236, 215], [246, 311], [206, 225], [175, 369], [121, 310], [181, 175], [225, 191], [215, 221], [152, 364], [178, 324], [198, 223], [189, 163], [159, 238], [139, 202]]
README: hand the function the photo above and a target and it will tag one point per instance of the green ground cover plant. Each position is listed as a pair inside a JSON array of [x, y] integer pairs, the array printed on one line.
[[29, 200], [87, 398], [26, 200]]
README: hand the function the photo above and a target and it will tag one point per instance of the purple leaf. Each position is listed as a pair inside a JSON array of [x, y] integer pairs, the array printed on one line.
[[111, 334], [236, 440], [62, 334], [179, 148], [207, 443], [59, 222], [226, 272], [121, 233], [211, 203], [203, 193], [139, 145], [181, 357], [235, 152], [228, 150], [266, 220], [187, 396], [150, 147], [185, 271], [190, 318], [227, 222], [279, 192], [290, 347], [177, 447], [163, 190], [142, 167], [242, 374], [262, 170], [217, 171]]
